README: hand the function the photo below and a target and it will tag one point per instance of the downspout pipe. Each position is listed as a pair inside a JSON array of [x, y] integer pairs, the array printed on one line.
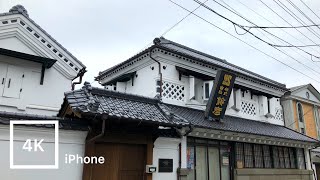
[[189, 131], [80, 75], [103, 128], [160, 73], [186, 133]]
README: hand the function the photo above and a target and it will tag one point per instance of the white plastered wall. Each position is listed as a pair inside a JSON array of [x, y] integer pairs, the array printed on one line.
[[166, 148], [70, 142], [34, 98]]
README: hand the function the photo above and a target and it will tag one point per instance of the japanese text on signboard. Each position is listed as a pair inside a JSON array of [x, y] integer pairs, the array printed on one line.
[[220, 95]]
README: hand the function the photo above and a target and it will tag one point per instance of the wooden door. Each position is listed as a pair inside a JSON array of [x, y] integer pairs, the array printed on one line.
[[132, 162], [13, 83], [122, 162], [318, 171], [3, 75]]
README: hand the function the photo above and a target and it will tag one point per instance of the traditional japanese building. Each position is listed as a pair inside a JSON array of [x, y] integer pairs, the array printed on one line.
[[35, 71], [301, 113], [150, 117]]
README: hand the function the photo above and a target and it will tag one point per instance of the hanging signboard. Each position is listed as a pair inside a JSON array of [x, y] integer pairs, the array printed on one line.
[[220, 94]]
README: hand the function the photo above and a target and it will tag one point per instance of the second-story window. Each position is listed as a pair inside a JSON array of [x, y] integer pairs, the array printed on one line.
[[300, 112], [207, 86]]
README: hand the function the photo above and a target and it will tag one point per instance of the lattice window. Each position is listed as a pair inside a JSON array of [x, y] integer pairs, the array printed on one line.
[[248, 108], [278, 115], [173, 91]]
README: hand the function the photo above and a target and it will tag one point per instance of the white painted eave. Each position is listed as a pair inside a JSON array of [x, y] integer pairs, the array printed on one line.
[[34, 43]]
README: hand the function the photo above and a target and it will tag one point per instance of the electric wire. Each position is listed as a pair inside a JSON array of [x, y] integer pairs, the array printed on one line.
[[304, 14], [164, 33], [295, 121], [238, 14], [309, 8], [301, 12], [272, 45], [286, 21], [298, 19], [174, 25], [280, 28], [245, 42]]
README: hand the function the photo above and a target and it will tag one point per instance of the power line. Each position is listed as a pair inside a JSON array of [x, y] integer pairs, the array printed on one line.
[[244, 41], [183, 19], [302, 116], [310, 9], [272, 45], [306, 16], [176, 24], [298, 19], [301, 12], [247, 30], [281, 27], [238, 14], [286, 21], [276, 25]]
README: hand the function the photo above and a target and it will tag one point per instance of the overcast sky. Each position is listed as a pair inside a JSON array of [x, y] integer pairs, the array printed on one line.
[[102, 33]]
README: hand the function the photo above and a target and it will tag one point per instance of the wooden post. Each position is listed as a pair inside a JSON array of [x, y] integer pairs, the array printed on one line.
[[149, 155]]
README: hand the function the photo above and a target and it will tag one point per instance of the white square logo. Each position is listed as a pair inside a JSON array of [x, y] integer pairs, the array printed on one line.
[[34, 145]]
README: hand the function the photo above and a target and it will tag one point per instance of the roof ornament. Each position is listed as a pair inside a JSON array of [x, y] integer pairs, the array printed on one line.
[[92, 104], [87, 86], [19, 8], [156, 41]]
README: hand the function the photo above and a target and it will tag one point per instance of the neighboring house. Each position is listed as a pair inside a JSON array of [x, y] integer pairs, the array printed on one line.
[[35, 71], [301, 113], [151, 112]]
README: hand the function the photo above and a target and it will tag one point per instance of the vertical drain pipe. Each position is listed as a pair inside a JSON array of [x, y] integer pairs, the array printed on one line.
[[160, 73], [92, 140], [103, 128]]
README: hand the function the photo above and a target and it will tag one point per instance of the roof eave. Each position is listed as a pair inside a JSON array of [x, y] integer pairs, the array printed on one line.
[[101, 74], [46, 33], [47, 62]]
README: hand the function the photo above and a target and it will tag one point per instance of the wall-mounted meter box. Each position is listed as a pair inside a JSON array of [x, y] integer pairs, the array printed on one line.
[[151, 169]]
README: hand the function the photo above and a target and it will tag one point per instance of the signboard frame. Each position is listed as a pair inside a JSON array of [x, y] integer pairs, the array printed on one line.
[[220, 94]]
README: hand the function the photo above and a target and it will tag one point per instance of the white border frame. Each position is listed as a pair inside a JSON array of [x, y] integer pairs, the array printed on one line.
[[56, 145]]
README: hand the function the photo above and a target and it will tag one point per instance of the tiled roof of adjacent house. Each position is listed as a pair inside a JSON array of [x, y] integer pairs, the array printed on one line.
[[240, 125], [64, 123], [195, 55], [90, 100], [143, 109]]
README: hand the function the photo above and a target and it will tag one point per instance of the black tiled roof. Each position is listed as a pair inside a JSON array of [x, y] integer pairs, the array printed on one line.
[[121, 105], [64, 123], [127, 106], [240, 125], [179, 48]]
